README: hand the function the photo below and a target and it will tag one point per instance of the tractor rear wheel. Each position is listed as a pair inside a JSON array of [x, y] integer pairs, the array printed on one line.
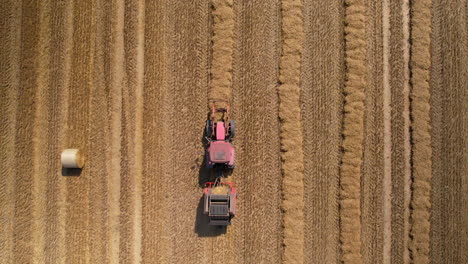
[[209, 128], [232, 128]]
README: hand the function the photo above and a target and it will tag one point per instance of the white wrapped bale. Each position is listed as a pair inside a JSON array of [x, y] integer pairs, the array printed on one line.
[[72, 159]]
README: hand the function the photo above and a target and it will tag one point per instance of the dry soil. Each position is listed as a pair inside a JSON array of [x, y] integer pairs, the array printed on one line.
[[350, 142]]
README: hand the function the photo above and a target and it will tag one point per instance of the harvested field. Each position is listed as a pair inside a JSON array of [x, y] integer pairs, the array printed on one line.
[[350, 141]]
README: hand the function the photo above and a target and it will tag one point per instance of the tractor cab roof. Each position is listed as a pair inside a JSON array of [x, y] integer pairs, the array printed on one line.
[[220, 151]]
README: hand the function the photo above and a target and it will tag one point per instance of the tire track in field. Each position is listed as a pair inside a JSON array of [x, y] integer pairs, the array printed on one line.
[[448, 73], [60, 64], [108, 99], [139, 84], [155, 237], [41, 142], [387, 135], [203, 51], [98, 162], [353, 131], [165, 114], [407, 134], [130, 248], [187, 100], [291, 131], [321, 107], [77, 216], [10, 30], [239, 58], [421, 129], [375, 166], [118, 82], [23, 223], [110, 52], [398, 71], [255, 234], [436, 71]]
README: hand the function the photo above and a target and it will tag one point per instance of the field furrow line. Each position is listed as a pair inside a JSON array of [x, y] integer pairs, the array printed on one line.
[[291, 131], [240, 233], [373, 166], [97, 163], [130, 199], [406, 134], [129, 195], [115, 31], [268, 186], [255, 103], [117, 158], [322, 80], [421, 130], [203, 247], [387, 136], [23, 223], [436, 83], [139, 83], [353, 131], [168, 154], [42, 132], [187, 97], [398, 71], [127, 174], [60, 63], [78, 182], [10, 30], [171, 170], [448, 97], [372, 172], [154, 216]]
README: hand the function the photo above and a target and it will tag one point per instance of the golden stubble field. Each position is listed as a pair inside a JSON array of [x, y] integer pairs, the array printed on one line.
[[350, 143]]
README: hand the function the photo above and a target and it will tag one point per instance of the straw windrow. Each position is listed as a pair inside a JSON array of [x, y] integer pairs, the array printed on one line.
[[353, 131], [291, 131]]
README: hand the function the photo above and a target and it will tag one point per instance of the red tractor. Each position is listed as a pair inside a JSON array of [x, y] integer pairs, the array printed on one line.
[[219, 133], [219, 202]]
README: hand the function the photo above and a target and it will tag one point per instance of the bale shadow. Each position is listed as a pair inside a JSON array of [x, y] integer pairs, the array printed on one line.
[[201, 224], [71, 172]]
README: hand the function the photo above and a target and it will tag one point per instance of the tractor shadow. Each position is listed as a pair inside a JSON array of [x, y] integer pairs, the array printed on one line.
[[204, 174], [201, 224], [209, 175]]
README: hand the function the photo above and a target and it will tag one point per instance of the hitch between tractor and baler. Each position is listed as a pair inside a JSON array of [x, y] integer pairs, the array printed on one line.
[[219, 126]]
